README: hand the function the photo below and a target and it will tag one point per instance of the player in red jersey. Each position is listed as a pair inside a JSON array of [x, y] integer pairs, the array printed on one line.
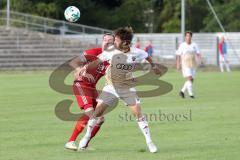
[[84, 87]]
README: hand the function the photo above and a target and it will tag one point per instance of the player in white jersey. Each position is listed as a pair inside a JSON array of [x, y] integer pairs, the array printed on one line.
[[120, 83], [186, 60]]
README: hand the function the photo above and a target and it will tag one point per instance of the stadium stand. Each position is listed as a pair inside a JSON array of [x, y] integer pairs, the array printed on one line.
[[37, 43], [28, 50]]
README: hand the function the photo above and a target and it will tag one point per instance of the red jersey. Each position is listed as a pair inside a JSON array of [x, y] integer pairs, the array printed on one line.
[[97, 72]]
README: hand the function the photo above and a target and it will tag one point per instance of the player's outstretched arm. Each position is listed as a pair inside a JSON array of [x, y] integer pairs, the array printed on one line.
[[77, 64], [104, 56], [94, 64], [156, 68]]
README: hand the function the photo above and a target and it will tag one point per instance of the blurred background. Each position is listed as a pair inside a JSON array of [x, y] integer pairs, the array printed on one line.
[[35, 35]]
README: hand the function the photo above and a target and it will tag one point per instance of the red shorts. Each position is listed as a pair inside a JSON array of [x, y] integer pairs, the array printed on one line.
[[85, 94]]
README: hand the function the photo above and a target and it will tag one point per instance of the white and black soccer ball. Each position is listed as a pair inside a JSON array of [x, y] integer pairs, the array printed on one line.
[[72, 14]]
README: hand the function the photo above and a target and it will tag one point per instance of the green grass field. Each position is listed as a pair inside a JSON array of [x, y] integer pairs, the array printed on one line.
[[30, 129]]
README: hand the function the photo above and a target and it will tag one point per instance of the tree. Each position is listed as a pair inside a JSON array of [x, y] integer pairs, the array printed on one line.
[[169, 18], [45, 9], [21, 6], [228, 13], [196, 12], [164, 14]]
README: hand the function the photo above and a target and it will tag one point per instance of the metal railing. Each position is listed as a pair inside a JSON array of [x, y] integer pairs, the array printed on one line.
[[47, 25]]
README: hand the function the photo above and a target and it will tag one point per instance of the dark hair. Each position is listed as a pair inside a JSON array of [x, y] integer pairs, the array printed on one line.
[[109, 34], [188, 32], [125, 34]]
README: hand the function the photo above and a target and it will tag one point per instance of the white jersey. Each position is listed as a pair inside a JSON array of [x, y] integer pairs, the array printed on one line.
[[188, 54], [119, 73], [135, 55]]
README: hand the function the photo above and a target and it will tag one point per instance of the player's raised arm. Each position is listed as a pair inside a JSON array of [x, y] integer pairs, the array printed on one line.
[[149, 59], [77, 64], [94, 64], [156, 68], [144, 55], [100, 59]]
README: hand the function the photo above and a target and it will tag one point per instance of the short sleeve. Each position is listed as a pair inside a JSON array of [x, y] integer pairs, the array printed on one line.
[[105, 56], [179, 50], [141, 54], [197, 49], [102, 56]]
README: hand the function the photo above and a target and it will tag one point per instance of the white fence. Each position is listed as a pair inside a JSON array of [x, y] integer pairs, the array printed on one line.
[[166, 44], [47, 25]]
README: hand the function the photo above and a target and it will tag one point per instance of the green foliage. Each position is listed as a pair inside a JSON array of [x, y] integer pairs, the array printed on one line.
[[46, 10], [166, 15], [228, 14], [131, 12], [170, 16], [196, 12], [22, 6]]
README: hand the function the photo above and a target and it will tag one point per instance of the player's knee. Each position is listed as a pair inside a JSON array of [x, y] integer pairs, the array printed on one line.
[[136, 110], [190, 78], [99, 110], [89, 111], [100, 120]]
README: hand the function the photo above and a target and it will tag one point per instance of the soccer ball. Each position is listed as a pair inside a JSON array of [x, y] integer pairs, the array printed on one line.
[[72, 14]]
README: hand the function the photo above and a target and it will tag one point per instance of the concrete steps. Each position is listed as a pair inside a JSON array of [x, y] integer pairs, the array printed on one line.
[[24, 50]]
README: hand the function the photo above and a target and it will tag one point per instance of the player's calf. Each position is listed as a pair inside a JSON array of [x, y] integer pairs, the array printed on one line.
[[86, 138]]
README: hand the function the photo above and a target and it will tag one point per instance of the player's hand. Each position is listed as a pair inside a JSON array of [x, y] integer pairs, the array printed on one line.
[[89, 77], [82, 71], [156, 69], [78, 72]]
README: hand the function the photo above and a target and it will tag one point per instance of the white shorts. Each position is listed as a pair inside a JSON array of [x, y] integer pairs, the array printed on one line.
[[223, 58], [110, 96], [187, 72]]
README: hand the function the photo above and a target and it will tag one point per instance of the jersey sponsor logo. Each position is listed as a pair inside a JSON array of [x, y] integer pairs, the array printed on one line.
[[126, 67]]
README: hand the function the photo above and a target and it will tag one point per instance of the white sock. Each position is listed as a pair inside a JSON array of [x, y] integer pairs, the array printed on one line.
[[189, 88], [227, 66], [184, 87], [143, 125], [221, 67], [85, 139], [91, 124]]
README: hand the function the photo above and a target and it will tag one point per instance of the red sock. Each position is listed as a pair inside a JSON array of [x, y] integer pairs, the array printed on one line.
[[80, 125], [95, 130]]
